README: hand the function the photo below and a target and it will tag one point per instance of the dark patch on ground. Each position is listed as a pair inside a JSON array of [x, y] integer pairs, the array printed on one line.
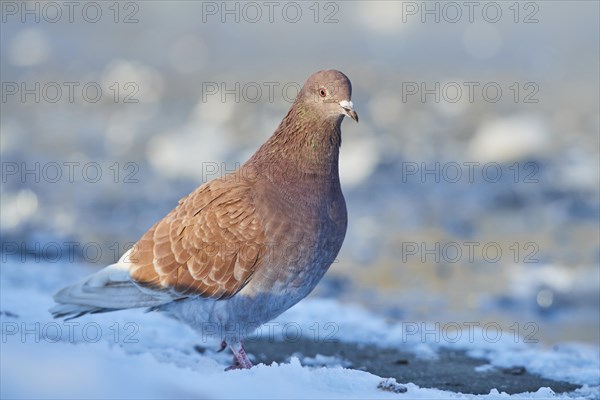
[[453, 370]]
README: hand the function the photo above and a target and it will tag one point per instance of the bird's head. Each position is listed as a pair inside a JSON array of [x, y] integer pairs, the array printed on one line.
[[328, 94]]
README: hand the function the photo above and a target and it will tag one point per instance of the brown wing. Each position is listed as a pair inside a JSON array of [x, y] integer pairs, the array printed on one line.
[[209, 245]]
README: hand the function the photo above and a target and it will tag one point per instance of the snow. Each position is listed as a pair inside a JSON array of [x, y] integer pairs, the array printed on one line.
[[131, 354]]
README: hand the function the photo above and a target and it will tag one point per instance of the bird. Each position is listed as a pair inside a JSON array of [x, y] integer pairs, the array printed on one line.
[[242, 248]]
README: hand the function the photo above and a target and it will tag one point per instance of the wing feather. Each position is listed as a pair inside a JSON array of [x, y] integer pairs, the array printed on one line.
[[209, 245]]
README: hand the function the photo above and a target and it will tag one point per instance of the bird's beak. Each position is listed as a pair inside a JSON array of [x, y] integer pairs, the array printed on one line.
[[348, 109]]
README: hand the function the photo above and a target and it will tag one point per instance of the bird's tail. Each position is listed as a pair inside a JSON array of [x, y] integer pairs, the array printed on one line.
[[109, 289]]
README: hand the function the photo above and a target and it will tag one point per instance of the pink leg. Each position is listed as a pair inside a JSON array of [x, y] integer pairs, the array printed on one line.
[[241, 360]]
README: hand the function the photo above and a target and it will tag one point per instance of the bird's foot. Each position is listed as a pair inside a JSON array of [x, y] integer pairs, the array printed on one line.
[[235, 365], [240, 358]]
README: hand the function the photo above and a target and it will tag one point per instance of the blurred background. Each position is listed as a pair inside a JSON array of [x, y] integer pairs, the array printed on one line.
[[472, 180]]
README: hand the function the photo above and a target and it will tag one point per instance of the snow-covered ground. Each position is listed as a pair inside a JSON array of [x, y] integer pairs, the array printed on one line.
[[131, 354]]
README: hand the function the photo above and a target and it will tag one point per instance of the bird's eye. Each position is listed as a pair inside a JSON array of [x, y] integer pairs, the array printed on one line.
[[322, 92]]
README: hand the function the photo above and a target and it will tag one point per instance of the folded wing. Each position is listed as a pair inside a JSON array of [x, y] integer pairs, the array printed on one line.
[[209, 245]]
